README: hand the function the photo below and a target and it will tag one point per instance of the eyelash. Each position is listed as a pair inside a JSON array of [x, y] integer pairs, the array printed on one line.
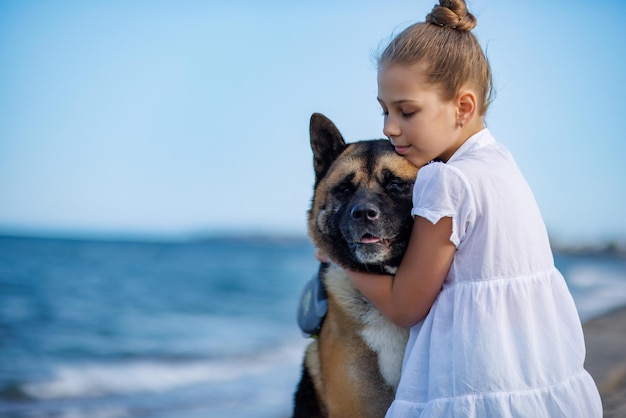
[[405, 115]]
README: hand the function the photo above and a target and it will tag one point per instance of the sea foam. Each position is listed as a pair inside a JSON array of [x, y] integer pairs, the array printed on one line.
[[128, 377]]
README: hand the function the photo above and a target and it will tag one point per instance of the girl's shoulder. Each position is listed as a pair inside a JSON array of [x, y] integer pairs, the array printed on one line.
[[493, 159], [437, 180], [439, 172], [480, 149]]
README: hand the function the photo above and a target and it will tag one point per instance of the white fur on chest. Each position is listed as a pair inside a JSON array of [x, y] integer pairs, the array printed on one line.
[[384, 338]]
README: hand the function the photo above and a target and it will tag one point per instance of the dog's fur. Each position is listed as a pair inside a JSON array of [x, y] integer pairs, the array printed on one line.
[[360, 217]]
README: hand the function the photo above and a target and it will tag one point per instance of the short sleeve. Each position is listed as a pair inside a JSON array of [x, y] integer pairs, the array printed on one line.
[[443, 191]]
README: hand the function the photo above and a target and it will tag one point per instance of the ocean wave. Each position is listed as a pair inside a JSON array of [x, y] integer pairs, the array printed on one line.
[[131, 377], [596, 290]]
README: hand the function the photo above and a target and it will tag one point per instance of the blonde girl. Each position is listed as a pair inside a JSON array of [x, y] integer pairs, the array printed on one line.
[[493, 328]]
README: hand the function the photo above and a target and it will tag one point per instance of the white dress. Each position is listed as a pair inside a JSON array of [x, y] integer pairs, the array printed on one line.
[[503, 339]]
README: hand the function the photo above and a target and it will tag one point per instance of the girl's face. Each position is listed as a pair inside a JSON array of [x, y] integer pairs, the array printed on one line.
[[421, 126]]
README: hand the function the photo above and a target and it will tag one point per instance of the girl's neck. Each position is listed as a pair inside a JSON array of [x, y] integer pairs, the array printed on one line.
[[468, 130], [474, 126]]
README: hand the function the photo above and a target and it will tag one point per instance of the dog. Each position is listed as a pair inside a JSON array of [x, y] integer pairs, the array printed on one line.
[[359, 217]]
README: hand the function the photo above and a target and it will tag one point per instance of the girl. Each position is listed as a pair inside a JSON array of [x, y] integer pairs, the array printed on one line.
[[494, 330]]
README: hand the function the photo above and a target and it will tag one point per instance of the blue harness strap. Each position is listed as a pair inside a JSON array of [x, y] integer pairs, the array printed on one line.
[[313, 305]]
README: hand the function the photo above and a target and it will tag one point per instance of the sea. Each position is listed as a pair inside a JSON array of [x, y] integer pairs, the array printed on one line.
[[200, 328]]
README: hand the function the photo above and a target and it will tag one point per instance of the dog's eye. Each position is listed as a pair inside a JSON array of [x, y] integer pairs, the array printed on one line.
[[397, 186], [344, 189]]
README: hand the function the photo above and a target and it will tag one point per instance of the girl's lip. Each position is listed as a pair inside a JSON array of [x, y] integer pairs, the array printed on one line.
[[402, 150]]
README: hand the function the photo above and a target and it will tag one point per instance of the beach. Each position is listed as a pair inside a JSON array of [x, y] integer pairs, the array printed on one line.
[[605, 338]]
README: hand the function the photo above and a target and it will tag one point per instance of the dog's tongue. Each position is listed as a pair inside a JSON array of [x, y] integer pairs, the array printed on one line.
[[369, 240]]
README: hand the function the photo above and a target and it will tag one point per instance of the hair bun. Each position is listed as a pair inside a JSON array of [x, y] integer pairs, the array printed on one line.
[[452, 14]]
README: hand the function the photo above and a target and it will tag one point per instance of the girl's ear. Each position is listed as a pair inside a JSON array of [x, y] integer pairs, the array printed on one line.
[[467, 106]]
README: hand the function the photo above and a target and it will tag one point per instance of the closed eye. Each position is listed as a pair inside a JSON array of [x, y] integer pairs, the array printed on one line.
[[345, 188], [399, 187]]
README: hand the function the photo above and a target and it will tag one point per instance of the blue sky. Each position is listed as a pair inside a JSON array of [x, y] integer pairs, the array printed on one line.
[[176, 118]]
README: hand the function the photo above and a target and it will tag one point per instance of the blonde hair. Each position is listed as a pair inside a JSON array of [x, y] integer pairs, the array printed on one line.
[[452, 56]]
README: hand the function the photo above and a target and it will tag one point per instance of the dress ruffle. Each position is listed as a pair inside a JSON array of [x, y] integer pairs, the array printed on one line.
[[568, 399]]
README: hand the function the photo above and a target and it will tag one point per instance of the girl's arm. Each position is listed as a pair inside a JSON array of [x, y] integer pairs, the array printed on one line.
[[406, 298]]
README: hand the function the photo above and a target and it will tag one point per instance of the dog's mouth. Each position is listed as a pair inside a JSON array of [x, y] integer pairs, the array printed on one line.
[[371, 248], [369, 239]]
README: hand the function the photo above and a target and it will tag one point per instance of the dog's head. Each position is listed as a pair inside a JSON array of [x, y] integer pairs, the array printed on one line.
[[360, 211]]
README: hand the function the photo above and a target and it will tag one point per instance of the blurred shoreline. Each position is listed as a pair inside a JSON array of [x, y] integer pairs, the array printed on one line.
[[609, 246]]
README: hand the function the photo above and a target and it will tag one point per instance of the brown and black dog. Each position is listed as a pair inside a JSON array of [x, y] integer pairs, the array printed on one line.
[[360, 217]]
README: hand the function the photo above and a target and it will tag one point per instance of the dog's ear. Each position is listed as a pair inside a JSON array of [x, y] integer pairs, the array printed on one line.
[[326, 143]]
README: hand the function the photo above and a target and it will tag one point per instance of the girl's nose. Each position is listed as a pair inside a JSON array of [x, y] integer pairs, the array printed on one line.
[[390, 129]]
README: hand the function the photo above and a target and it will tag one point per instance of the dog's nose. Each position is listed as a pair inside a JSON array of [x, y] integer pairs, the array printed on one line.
[[364, 212]]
